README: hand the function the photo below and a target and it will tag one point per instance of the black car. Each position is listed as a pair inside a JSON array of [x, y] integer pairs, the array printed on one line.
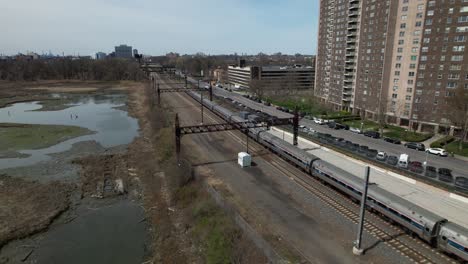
[[392, 160], [414, 145], [372, 134], [431, 172], [462, 182], [363, 149], [392, 140], [371, 153], [445, 175]]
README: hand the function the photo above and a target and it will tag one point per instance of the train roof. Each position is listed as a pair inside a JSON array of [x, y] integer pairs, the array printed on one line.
[[389, 199]]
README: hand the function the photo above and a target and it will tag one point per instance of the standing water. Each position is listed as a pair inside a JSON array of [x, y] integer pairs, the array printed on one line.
[[112, 127]]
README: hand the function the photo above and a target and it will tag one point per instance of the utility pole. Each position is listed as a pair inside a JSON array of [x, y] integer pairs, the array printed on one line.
[[357, 250], [201, 103], [247, 139]]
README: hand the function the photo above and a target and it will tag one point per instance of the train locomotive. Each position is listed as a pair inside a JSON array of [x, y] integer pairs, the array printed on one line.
[[432, 228]]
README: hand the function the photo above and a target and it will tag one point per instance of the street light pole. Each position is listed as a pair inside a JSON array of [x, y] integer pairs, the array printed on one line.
[[357, 250]]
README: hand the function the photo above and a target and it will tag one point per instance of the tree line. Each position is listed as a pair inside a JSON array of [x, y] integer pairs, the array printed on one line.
[[71, 69]]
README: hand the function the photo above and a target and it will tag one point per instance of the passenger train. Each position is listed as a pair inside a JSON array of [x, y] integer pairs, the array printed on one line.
[[432, 228]]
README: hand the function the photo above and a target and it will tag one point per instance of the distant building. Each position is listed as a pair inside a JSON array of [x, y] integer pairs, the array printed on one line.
[[273, 79], [135, 52], [123, 51], [101, 55], [220, 75]]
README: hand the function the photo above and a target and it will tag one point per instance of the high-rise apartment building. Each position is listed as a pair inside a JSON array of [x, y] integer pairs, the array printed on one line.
[[400, 59]]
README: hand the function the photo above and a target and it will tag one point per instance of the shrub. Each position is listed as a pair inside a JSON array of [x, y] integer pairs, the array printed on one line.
[[442, 142]]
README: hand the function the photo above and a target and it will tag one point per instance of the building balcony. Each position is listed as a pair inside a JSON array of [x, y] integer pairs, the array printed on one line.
[[352, 20], [353, 6], [351, 47], [350, 54], [353, 14]]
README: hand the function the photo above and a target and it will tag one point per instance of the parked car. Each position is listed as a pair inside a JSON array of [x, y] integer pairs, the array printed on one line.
[[392, 160], [382, 156], [416, 167], [431, 172], [445, 175], [319, 121], [404, 161], [355, 130], [363, 149], [415, 145], [461, 182], [372, 134], [372, 153], [392, 140], [437, 151]]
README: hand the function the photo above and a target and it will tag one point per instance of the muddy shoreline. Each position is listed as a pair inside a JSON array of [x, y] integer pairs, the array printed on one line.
[[31, 188]]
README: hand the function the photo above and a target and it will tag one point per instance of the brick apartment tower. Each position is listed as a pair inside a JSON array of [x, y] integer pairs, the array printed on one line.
[[401, 59]]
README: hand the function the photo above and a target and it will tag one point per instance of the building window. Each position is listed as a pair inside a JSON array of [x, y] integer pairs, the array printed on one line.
[[461, 29], [428, 21], [452, 85], [424, 49], [403, 25], [457, 58], [409, 90], [412, 66], [460, 38], [408, 98], [454, 76], [458, 48], [422, 66], [430, 12], [415, 58]]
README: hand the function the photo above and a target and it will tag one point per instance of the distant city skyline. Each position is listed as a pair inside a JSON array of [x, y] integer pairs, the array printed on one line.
[[159, 27]]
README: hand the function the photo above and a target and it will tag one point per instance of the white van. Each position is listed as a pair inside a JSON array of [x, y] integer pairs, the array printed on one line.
[[404, 161]]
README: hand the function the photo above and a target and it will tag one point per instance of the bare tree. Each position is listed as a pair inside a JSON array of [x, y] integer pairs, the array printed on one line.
[[257, 87], [458, 107]]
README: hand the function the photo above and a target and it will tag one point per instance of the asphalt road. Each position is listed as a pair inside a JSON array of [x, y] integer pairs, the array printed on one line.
[[458, 167]]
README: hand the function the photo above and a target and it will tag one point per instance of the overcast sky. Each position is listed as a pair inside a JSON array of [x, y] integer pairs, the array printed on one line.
[[159, 26]]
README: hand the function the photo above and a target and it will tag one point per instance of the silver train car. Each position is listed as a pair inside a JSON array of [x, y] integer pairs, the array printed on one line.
[[453, 239], [432, 228]]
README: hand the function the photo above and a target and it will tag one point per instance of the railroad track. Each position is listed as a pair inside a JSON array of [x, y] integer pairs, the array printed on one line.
[[398, 240]]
